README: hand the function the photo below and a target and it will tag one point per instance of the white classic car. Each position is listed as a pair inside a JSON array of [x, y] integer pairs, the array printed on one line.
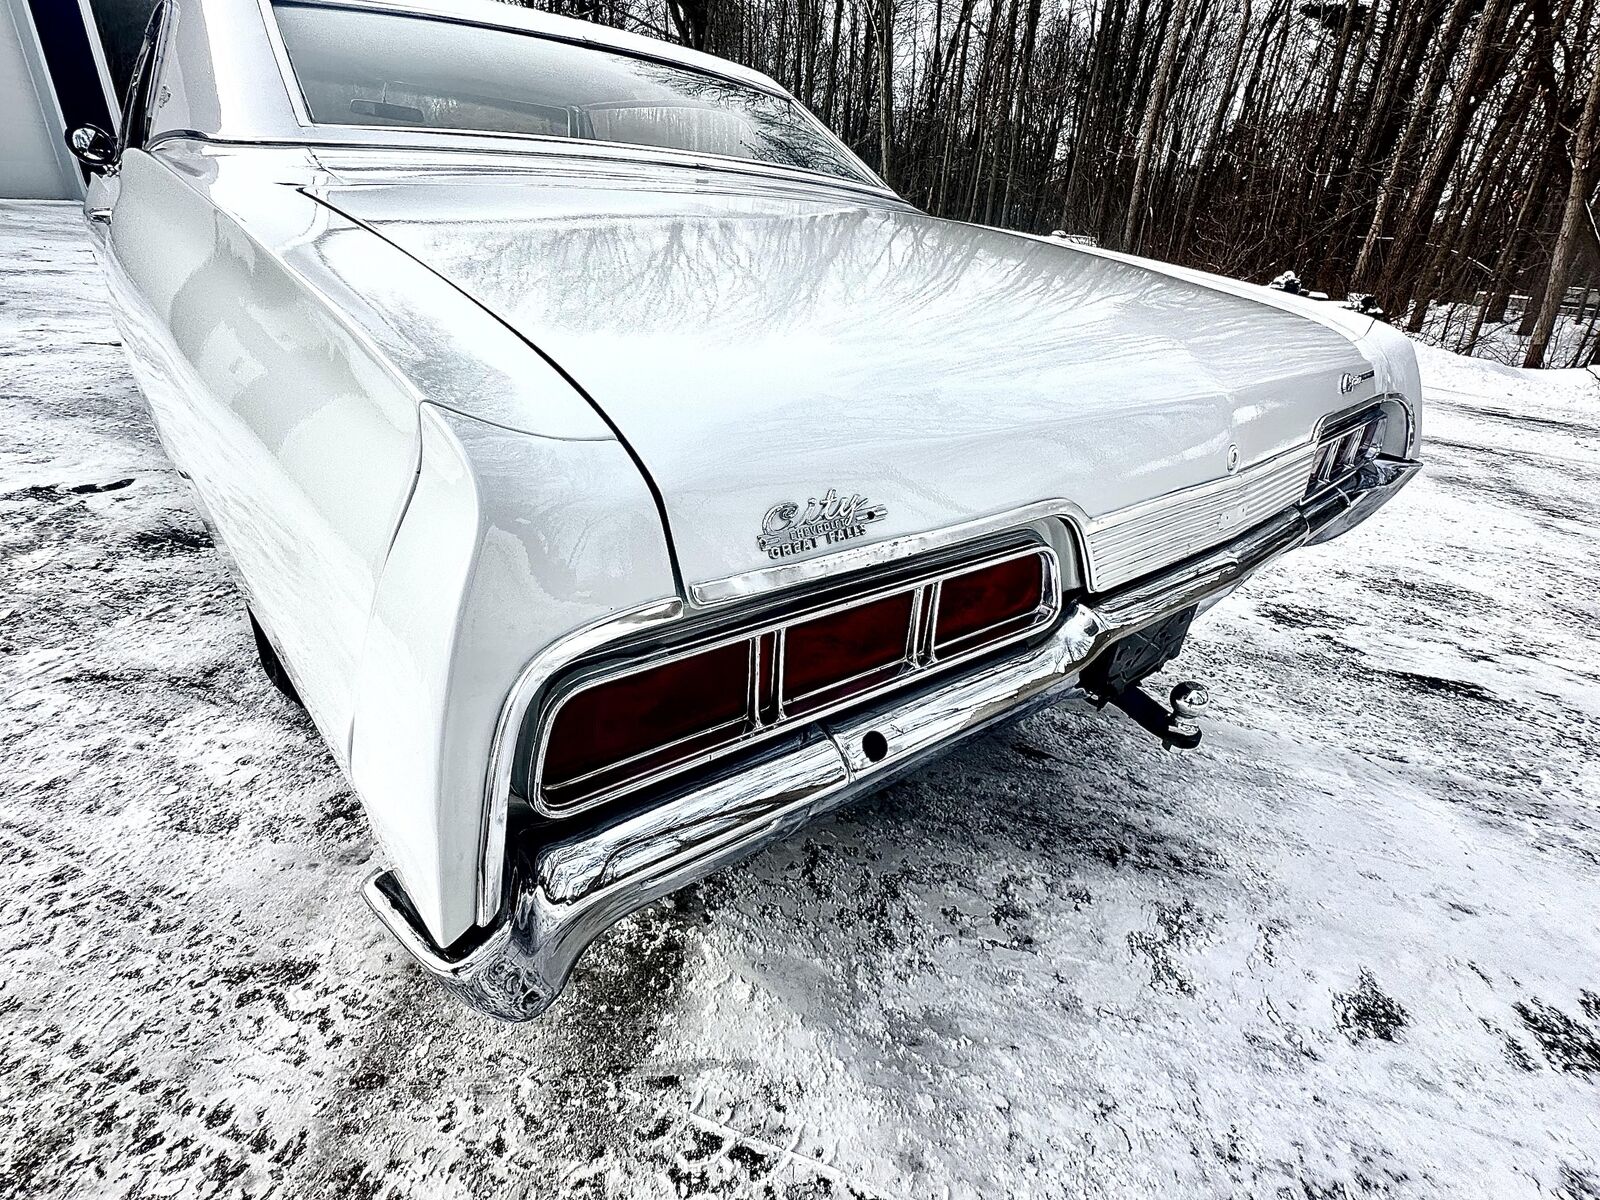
[[621, 475]]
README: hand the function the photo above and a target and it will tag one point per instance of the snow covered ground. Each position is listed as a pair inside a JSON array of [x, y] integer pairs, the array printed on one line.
[[1449, 325], [1351, 947]]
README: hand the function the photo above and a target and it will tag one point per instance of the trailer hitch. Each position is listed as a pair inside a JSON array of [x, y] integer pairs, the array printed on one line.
[[1177, 728], [1114, 678]]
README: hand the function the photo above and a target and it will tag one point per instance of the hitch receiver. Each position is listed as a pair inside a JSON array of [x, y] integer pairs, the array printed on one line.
[[1114, 678], [1177, 729]]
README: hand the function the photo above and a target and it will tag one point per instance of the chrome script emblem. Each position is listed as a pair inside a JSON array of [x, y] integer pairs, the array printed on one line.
[[790, 529], [1349, 383]]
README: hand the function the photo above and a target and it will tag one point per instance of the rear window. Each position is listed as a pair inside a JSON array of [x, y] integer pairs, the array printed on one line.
[[369, 68]]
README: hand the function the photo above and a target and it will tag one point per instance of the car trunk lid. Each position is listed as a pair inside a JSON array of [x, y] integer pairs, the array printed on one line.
[[762, 344]]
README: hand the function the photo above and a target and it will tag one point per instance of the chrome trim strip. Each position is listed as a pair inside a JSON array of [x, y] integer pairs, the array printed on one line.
[[756, 731], [1027, 620], [566, 892], [908, 655], [903, 668], [416, 942], [780, 656], [280, 55], [922, 623], [738, 722], [753, 700], [928, 634], [1134, 541]]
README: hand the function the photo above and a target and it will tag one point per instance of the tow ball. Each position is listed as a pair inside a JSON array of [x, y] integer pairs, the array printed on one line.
[[1177, 728]]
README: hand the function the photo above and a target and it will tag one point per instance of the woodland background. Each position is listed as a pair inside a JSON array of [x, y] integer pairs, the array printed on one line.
[[1438, 155]]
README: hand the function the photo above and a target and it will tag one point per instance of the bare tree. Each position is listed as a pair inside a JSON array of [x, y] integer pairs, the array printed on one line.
[[880, 15], [1155, 101], [1438, 152], [1574, 221]]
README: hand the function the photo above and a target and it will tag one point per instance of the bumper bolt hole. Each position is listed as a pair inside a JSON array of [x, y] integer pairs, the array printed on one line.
[[875, 746]]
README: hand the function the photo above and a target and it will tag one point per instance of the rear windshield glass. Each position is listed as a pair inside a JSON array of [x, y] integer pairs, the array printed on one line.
[[370, 68]]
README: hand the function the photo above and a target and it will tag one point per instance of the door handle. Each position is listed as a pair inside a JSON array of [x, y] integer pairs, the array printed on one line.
[[102, 215]]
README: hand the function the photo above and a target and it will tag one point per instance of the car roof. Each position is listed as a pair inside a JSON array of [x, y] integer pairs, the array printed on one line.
[[225, 73], [224, 76]]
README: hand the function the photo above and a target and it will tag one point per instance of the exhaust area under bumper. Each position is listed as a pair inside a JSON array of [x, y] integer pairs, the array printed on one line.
[[565, 892]]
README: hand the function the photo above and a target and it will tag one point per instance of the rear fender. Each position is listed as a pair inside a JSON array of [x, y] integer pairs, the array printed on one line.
[[511, 542]]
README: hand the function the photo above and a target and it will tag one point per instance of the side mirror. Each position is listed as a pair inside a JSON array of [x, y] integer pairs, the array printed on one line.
[[92, 146]]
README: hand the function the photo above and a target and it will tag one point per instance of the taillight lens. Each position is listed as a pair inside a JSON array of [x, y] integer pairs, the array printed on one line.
[[1341, 453], [648, 720], [828, 658], [987, 604], [621, 733]]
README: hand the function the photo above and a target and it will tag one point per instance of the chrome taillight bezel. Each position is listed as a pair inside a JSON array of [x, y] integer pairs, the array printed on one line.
[[765, 721]]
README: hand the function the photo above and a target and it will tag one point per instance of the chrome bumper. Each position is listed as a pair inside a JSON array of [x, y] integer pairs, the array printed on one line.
[[566, 892]]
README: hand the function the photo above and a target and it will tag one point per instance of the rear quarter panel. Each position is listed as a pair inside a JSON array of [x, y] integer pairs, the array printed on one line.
[[409, 563]]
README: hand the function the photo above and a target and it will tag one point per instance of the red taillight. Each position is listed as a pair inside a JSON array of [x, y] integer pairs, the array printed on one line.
[[988, 603], [624, 732], [665, 713], [841, 654]]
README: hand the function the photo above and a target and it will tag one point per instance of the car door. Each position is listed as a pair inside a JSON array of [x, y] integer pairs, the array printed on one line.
[[298, 436]]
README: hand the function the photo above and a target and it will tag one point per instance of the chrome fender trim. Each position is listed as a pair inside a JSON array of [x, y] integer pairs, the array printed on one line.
[[565, 893]]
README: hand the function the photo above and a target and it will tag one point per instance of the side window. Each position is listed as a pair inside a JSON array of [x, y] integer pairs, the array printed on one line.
[[136, 108]]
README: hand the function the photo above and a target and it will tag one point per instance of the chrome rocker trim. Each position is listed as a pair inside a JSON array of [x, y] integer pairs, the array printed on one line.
[[565, 893]]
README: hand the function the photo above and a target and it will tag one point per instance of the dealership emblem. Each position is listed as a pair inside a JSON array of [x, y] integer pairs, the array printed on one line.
[[1349, 383], [789, 528]]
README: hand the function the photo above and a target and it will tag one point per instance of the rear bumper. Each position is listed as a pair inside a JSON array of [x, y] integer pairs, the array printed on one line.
[[565, 892]]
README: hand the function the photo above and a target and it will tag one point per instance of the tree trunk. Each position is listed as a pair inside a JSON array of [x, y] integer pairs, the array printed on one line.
[[883, 23], [1573, 221], [833, 62], [1209, 144], [1404, 263], [1410, 145], [1154, 103]]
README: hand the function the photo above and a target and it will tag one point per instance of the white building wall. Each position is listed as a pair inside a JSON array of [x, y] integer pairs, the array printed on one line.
[[34, 163]]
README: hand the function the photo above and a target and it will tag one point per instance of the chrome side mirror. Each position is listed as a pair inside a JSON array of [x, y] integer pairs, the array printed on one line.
[[92, 146]]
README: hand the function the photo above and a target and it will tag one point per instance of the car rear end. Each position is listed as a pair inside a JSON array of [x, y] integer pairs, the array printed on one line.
[[647, 753]]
